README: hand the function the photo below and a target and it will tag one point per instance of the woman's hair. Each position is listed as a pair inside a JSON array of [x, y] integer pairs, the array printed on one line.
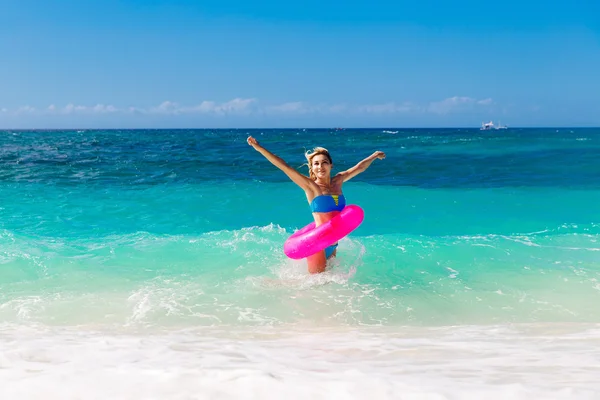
[[311, 154]]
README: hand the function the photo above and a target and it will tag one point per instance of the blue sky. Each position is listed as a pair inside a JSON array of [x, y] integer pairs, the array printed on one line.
[[426, 63]]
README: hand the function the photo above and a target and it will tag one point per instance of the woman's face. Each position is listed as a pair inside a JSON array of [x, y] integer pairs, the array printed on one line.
[[321, 166]]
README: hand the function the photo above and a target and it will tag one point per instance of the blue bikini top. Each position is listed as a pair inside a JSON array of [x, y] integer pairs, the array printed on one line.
[[328, 203]]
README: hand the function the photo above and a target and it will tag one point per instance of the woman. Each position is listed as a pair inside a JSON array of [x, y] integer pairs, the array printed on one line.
[[324, 193]]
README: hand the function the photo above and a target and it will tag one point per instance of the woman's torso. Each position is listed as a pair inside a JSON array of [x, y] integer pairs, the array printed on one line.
[[326, 202]]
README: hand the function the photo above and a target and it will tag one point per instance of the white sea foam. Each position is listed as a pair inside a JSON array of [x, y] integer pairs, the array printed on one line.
[[469, 362]]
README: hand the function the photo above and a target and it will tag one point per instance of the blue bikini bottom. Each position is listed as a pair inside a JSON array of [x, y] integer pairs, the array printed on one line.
[[329, 250]]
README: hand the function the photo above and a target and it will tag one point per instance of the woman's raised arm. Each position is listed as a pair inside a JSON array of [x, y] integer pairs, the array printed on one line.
[[360, 167], [301, 180]]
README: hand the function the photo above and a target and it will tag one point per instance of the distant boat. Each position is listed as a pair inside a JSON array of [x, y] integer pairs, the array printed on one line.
[[488, 126]]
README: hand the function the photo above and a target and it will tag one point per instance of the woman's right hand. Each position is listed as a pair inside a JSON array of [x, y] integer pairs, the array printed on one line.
[[379, 154]]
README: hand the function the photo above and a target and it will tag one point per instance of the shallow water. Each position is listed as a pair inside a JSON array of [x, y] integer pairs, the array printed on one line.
[[158, 254]]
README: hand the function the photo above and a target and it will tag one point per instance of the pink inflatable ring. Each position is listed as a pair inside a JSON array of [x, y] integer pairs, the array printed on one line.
[[310, 239]]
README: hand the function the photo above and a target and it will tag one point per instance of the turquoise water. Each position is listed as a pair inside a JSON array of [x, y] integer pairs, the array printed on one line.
[[186, 228]]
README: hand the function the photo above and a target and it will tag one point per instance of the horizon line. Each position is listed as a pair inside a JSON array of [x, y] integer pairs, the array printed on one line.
[[299, 128]]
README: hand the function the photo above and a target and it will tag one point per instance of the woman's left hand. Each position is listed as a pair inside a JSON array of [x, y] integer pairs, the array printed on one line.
[[252, 142]]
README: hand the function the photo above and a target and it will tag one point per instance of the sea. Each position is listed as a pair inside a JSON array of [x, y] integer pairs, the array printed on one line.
[[149, 264]]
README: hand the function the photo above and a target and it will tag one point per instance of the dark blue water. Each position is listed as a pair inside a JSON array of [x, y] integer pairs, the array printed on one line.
[[438, 158]]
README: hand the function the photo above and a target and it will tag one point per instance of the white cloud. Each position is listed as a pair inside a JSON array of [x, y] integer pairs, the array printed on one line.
[[447, 105], [204, 107], [338, 108], [248, 106], [134, 110], [101, 108], [25, 110], [297, 107], [301, 107], [166, 107], [387, 108], [73, 109], [235, 106], [456, 104]]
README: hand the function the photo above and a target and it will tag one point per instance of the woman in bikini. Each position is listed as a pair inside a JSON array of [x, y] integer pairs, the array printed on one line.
[[324, 193]]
